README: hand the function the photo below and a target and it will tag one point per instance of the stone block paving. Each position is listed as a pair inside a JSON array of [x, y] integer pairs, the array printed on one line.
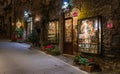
[[17, 58]]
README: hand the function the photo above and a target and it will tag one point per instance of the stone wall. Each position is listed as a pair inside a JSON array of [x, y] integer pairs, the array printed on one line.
[[56, 10], [108, 9]]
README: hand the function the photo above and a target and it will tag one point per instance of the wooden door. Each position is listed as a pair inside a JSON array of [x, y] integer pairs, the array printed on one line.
[[68, 36]]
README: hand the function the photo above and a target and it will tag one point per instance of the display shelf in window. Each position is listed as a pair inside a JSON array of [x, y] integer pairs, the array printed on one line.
[[89, 35], [53, 31]]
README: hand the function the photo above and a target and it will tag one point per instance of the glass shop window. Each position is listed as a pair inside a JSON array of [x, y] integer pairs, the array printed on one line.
[[89, 35], [53, 32]]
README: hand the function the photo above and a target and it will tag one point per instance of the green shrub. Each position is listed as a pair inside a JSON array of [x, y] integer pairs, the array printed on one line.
[[33, 37], [76, 59], [48, 50], [18, 32], [52, 49], [55, 52], [83, 60]]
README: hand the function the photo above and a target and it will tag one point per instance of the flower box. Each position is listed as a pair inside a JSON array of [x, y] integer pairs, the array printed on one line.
[[86, 64], [87, 68]]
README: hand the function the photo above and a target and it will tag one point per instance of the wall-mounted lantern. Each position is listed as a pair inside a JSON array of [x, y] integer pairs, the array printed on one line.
[[37, 18], [65, 5], [13, 24], [26, 14]]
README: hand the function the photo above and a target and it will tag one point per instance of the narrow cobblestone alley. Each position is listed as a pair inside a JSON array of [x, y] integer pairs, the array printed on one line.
[[16, 58]]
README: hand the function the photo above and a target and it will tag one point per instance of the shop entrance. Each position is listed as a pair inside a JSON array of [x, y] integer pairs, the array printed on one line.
[[70, 37]]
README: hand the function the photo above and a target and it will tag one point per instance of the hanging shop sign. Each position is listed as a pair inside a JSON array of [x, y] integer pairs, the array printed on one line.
[[75, 12]]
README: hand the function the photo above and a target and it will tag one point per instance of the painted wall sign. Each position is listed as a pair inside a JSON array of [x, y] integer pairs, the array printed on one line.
[[109, 24]]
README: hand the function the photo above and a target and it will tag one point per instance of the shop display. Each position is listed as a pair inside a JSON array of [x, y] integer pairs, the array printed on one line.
[[53, 32], [89, 37]]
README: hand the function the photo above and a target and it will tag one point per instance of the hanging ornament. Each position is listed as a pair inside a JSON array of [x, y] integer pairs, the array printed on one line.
[[109, 24]]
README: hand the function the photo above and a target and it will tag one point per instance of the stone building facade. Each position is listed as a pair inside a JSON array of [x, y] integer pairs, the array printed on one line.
[[51, 10], [108, 10], [5, 18]]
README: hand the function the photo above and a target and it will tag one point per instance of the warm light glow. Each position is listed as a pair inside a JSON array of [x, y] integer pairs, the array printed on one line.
[[18, 24], [89, 35], [12, 24], [37, 18]]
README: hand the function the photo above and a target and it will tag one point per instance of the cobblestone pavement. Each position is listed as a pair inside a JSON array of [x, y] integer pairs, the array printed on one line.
[[16, 58]]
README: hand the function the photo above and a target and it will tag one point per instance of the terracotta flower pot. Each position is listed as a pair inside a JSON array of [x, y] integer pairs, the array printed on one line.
[[87, 68]]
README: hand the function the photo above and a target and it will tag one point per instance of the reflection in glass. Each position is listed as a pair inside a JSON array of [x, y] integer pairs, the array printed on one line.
[[68, 30]]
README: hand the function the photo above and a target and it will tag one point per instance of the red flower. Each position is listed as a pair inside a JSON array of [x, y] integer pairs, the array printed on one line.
[[20, 38], [48, 46], [90, 60]]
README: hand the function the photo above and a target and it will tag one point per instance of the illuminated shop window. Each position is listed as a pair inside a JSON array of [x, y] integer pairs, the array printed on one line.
[[53, 32], [89, 35]]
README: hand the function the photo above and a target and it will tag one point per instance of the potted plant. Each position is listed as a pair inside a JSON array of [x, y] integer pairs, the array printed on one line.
[[52, 49], [17, 35], [76, 60], [84, 63]]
